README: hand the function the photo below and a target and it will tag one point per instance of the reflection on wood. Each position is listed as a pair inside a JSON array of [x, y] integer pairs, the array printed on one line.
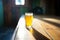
[[51, 25]]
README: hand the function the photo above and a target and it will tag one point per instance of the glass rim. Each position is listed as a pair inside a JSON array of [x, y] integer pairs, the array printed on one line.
[[28, 13]]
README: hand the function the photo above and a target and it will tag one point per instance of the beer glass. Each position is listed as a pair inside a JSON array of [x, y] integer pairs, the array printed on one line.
[[28, 19]]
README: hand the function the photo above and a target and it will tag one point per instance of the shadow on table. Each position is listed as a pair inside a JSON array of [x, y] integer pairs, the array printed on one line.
[[37, 35]]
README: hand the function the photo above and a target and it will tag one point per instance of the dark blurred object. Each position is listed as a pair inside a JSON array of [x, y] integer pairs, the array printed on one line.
[[57, 8], [38, 10]]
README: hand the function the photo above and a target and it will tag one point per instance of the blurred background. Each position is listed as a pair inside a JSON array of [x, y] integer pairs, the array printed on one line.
[[10, 12]]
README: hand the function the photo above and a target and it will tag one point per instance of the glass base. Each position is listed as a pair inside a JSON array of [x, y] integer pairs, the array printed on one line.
[[28, 27]]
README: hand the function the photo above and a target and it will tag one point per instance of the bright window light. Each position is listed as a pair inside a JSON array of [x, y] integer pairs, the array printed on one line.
[[19, 2]]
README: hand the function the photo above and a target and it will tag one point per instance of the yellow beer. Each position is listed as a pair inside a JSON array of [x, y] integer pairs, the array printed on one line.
[[28, 19]]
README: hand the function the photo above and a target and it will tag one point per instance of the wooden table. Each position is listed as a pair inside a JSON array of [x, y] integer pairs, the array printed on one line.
[[37, 32]]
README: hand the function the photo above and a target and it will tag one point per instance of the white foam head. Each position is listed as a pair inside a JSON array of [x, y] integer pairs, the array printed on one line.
[[29, 14]]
